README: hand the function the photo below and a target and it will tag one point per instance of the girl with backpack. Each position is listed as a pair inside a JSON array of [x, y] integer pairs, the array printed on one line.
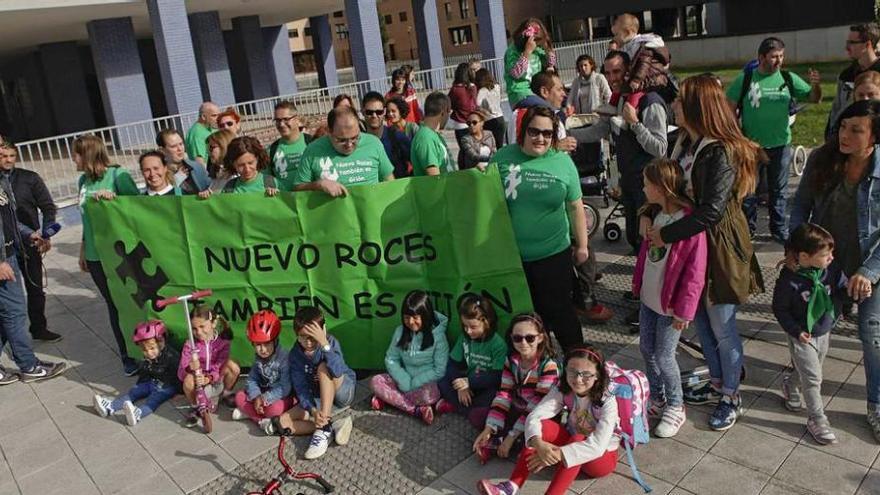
[[530, 373], [587, 438], [669, 281]]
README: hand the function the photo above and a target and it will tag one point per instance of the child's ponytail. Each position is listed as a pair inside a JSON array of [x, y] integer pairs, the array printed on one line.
[[221, 326]]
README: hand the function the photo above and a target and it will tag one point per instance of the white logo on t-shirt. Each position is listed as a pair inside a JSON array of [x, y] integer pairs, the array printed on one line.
[[755, 95], [513, 181], [280, 165], [327, 170]]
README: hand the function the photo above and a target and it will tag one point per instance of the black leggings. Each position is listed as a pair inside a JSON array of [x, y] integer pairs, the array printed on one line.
[[100, 279], [550, 283], [498, 128], [31, 263]]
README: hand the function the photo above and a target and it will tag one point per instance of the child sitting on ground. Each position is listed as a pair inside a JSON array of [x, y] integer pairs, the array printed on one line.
[[649, 60], [804, 304], [207, 364], [320, 380], [473, 373], [267, 393], [157, 376], [415, 360], [530, 373]]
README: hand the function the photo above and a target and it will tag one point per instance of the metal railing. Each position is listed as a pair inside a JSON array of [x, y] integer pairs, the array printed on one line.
[[52, 157]]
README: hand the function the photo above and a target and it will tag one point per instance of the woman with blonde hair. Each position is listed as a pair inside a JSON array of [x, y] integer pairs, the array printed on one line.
[[720, 167], [100, 180], [867, 86]]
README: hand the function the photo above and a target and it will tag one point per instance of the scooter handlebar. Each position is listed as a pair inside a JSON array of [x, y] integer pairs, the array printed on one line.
[[176, 299]]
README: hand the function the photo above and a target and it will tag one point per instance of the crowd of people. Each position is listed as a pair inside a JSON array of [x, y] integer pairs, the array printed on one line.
[[690, 211]]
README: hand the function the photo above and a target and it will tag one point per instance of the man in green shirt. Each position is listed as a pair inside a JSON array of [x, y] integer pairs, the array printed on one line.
[[345, 157], [764, 109], [196, 147], [286, 151], [429, 154]]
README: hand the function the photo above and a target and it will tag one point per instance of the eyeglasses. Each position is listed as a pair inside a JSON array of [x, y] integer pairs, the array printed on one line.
[[283, 119], [377, 113], [228, 123], [351, 140], [530, 338], [583, 375], [534, 132], [473, 122], [855, 42]]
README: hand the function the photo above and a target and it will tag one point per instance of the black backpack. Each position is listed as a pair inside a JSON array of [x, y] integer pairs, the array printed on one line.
[[273, 148], [747, 82]]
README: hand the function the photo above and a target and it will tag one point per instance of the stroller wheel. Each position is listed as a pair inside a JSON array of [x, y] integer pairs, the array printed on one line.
[[593, 218], [612, 232], [798, 161]]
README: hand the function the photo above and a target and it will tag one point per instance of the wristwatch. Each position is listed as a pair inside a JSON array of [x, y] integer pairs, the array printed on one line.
[[326, 348]]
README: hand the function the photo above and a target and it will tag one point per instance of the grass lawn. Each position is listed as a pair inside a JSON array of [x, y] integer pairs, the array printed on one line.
[[810, 127]]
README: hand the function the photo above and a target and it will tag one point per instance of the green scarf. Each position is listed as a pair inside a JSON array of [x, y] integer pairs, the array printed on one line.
[[820, 302]]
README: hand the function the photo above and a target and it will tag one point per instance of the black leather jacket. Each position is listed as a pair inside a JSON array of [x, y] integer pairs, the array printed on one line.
[[163, 369], [31, 195]]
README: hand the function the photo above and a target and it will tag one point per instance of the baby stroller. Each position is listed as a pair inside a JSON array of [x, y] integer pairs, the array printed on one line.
[[593, 172]]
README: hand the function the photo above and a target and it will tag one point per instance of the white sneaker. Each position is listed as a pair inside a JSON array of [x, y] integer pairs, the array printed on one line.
[[132, 413], [670, 422], [103, 405], [655, 411], [318, 444], [265, 424], [343, 430], [237, 414]]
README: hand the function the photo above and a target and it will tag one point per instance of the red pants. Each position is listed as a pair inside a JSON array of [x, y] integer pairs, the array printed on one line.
[[270, 411], [555, 433]]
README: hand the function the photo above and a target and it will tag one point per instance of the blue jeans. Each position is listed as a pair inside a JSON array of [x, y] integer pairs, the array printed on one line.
[[869, 334], [658, 341], [722, 345], [13, 320], [153, 392], [344, 395], [777, 183]]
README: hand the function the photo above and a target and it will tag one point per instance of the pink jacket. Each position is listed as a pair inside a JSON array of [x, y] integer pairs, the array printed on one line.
[[684, 278], [218, 352]]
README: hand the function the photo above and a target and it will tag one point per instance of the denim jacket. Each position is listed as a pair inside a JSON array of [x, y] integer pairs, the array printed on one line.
[[303, 370], [269, 377], [806, 204]]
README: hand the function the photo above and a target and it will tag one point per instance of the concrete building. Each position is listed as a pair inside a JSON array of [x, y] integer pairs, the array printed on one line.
[[68, 66]]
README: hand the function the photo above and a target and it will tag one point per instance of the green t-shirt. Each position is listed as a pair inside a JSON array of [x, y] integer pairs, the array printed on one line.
[[115, 179], [518, 88], [480, 355], [255, 185], [367, 164], [765, 106], [286, 160], [429, 148], [538, 190], [196, 146]]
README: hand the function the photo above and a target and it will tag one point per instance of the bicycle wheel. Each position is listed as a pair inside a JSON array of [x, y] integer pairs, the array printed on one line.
[[593, 218], [798, 160]]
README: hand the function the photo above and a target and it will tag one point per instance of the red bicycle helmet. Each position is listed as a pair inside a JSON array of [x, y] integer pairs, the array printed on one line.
[[263, 327], [152, 329]]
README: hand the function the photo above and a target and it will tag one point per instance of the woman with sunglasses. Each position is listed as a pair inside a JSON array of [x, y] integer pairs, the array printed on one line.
[[543, 195], [229, 120], [479, 145], [530, 372]]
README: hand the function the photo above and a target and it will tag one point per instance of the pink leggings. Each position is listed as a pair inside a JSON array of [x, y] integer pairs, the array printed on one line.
[[555, 433], [270, 411], [386, 390]]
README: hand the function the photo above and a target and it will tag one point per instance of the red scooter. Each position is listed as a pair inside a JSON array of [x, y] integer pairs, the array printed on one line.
[[289, 474]]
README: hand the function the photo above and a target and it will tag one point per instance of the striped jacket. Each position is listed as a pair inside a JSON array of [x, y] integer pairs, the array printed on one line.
[[522, 390]]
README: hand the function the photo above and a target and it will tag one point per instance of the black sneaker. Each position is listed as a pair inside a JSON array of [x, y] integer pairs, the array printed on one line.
[[7, 377], [43, 371], [47, 336], [129, 366], [629, 296], [632, 321], [705, 394]]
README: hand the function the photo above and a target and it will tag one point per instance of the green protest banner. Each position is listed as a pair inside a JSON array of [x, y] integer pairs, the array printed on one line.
[[354, 257]]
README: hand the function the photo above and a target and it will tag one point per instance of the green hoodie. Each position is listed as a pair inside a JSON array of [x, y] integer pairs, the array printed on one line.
[[412, 367]]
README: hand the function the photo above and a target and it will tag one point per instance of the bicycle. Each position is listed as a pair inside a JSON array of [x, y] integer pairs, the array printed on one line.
[[288, 474]]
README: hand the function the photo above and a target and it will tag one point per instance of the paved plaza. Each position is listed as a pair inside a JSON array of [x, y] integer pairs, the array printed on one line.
[[51, 440]]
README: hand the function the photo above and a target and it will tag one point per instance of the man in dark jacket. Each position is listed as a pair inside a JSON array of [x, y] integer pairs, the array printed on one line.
[[861, 47], [32, 198]]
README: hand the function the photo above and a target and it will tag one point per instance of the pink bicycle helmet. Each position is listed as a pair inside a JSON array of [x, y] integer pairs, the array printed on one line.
[[152, 329]]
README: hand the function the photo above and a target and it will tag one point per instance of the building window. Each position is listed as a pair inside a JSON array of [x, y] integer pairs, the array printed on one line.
[[338, 13], [447, 7], [403, 17], [294, 33], [392, 51], [341, 32], [465, 7], [307, 32], [388, 19], [461, 35]]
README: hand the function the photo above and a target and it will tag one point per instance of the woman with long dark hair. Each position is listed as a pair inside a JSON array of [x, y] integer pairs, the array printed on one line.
[[720, 170], [840, 191], [463, 96]]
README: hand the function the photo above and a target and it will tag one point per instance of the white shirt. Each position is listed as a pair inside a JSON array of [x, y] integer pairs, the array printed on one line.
[[490, 99], [160, 192], [655, 267]]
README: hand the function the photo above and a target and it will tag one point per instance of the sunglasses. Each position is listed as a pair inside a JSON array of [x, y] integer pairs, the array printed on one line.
[[370, 113], [583, 375], [530, 338], [226, 124], [473, 122], [534, 132]]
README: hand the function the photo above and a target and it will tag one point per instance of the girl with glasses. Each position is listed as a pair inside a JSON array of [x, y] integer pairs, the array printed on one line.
[[584, 440], [530, 373]]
